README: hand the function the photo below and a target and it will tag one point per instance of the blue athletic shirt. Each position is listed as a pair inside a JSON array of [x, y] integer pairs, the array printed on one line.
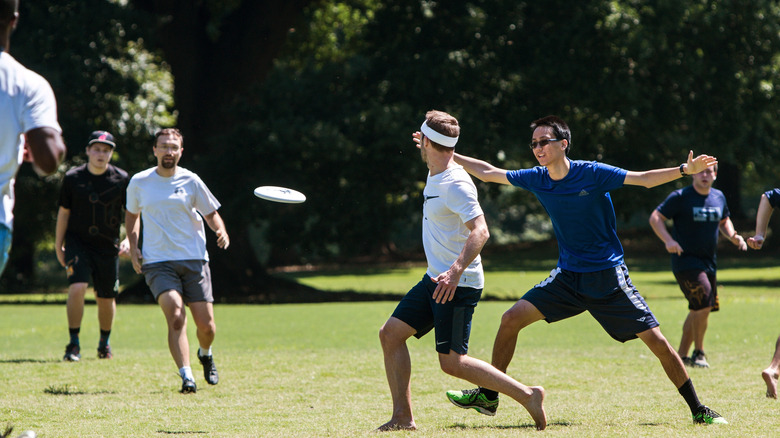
[[773, 196], [581, 211], [696, 219]]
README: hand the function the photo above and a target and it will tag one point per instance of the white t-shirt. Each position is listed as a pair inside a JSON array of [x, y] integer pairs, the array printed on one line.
[[450, 202], [26, 102], [169, 207]]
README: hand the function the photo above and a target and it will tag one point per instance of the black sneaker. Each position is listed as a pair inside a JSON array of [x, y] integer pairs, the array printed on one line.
[[188, 386], [105, 352], [699, 359], [209, 369], [706, 415], [687, 361], [72, 353]]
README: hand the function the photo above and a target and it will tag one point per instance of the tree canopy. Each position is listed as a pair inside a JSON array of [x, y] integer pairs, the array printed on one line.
[[323, 97]]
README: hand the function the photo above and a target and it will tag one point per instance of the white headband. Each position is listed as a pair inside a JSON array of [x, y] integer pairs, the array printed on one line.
[[438, 138]]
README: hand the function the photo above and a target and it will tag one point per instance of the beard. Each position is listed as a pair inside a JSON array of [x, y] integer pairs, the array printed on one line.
[[168, 163]]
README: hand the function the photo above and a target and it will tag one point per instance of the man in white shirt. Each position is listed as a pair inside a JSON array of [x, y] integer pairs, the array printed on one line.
[[29, 130], [173, 202], [454, 232]]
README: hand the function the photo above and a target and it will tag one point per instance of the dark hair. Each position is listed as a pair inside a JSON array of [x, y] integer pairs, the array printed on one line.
[[169, 131], [8, 10], [444, 124], [560, 128]]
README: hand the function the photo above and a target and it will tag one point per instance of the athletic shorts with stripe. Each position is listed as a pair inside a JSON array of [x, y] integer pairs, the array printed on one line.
[[608, 295]]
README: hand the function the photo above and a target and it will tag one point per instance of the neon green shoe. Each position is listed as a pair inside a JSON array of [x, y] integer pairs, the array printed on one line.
[[708, 416], [473, 399]]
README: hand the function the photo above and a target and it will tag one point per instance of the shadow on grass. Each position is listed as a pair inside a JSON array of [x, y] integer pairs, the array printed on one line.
[[27, 360], [68, 390], [512, 426]]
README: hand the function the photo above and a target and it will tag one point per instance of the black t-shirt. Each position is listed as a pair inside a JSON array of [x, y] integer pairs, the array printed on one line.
[[96, 204]]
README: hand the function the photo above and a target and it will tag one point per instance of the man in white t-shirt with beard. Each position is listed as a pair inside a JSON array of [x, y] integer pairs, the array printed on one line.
[[29, 130], [173, 202]]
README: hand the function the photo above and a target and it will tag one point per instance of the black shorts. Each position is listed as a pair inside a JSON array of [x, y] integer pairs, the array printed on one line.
[[81, 263], [700, 289], [608, 295], [452, 320]]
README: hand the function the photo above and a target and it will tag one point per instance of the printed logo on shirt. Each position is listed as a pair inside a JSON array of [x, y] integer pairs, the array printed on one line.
[[584, 193], [429, 197], [179, 191], [707, 214]]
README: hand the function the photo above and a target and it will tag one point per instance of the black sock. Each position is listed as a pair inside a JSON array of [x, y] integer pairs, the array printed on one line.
[[74, 335], [489, 393], [104, 334], [689, 394]]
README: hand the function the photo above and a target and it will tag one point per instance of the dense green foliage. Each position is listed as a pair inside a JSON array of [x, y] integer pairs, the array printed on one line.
[[640, 84]]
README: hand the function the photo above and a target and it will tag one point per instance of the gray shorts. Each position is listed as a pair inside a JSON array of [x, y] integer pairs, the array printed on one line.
[[191, 278]]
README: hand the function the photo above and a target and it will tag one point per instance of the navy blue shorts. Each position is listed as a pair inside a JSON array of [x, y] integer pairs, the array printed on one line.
[[81, 263], [452, 320], [608, 295], [700, 289]]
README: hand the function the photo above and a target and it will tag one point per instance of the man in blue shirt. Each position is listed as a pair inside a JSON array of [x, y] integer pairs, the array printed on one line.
[[698, 212], [591, 274], [769, 201]]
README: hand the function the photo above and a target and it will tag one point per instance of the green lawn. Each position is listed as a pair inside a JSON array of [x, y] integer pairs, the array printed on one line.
[[314, 370]]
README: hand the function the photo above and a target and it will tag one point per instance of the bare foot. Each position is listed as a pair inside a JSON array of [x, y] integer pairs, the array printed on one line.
[[535, 407], [393, 425], [770, 377]]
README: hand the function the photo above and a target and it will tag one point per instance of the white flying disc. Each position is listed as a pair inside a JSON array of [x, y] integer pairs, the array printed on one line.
[[280, 194]]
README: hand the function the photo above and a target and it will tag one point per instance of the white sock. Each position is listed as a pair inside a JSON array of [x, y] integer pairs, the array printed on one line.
[[201, 353], [186, 373]]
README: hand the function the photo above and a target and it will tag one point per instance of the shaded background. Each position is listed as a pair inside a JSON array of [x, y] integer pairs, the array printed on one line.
[[322, 96]]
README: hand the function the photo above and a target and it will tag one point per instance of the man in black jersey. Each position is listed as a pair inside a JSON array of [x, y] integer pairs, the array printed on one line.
[[87, 244]]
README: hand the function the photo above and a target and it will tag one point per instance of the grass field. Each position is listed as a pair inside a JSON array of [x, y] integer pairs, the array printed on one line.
[[312, 370]]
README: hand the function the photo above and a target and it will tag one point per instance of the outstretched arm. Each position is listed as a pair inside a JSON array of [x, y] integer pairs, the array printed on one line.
[[762, 220], [656, 177], [482, 170]]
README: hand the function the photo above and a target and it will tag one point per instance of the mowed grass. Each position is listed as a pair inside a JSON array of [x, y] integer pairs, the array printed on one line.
[[316, 370]]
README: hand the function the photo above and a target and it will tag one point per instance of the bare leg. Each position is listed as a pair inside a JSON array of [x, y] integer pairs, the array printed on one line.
[[699, 326], [106, 312], [172, 306], [770, 374], [398, 367], [687, 336], [520, 315], [75, 304], [203, 315], [487, 376], [670, 360]]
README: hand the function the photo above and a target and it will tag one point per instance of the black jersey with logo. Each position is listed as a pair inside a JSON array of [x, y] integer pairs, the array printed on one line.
[[96, 204]]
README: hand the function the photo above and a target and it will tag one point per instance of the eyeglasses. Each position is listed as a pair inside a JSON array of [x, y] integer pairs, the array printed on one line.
[[541, 143]]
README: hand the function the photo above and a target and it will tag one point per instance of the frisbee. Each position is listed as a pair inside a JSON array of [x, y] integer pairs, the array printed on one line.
[[280, 194]]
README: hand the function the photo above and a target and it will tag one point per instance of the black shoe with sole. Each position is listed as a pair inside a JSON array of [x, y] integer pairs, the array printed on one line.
[[209, 369], [72, 353], [188, 386]]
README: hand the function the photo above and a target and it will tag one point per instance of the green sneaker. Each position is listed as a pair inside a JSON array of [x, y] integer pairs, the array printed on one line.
[[473, 399], [708, 416]]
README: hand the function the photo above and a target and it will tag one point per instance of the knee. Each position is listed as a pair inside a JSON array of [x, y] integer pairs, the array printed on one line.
[[178, 320], [450, 364]]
